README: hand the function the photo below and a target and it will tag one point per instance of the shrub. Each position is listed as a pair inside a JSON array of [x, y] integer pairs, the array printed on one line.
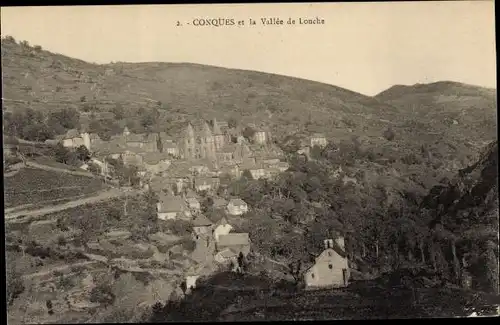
[[389, 134], [102, 294]]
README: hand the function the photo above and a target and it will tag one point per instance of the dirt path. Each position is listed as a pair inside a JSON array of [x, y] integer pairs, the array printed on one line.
[[106, 195], [58, 268]]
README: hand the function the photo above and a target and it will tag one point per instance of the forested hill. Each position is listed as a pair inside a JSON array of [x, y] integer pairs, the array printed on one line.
[[463, 112]]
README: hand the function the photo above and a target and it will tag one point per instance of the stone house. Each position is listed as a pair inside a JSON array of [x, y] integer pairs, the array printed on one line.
[[237, 207], [172, 207], [206, 183], [260, 136], [75, 139], [193, 204], [155, 162], [171, 149], [132, 156], [237, 242], [257, 171], [330, 268], [319, 140], [202, 227]]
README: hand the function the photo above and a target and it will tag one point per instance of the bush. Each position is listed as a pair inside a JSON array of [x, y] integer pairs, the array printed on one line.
[[102, 294], [389, 134]]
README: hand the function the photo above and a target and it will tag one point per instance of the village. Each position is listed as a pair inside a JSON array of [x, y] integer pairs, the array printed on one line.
[[182, 169]]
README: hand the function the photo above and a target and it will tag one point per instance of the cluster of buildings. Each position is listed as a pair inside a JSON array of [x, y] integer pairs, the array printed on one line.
[[208, 148]]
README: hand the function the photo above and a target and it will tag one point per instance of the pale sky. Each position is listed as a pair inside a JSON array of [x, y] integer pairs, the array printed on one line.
[[365, 47]]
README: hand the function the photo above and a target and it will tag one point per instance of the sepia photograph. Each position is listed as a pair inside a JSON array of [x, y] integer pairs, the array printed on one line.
[[250, 162]]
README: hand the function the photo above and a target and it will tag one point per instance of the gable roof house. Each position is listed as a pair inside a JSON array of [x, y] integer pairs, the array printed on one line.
[[238, 242], [202, 226], [237, 207], [156, 162], [172, 207], [193, 204], [318, 139], [206, 183], [330, 268], [73, 139]]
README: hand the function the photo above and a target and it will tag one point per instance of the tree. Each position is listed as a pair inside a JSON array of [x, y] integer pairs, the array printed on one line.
[[49, 307], [247, 175], [61, 153], [103, 294], [248, 133], [68, 118], [118, 111], [232, 123], [389, 134], [83, 153]]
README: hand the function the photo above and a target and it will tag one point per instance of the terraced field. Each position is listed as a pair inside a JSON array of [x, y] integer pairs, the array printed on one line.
[[34, 186]]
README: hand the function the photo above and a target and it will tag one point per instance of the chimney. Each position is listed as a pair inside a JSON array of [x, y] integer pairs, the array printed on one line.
[[340, 242], [328, 243]]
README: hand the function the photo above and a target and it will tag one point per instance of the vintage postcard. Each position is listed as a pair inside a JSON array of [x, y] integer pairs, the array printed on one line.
[[229, 162]]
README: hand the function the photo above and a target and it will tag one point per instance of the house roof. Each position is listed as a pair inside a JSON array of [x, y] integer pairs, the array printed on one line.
[[169, 203], [237, 202], [169, 145], [153, 158], [201, 221], [136, 137], [191, 194], [234, 239], [205, 180], [158, 184], [227, 253], [219, 202], [222, 221], [317, 135], [192, 200], [134, 150]]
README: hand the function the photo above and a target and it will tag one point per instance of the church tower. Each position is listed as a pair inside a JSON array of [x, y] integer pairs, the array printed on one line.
[[189, 142], [207, 142], [218, 136]]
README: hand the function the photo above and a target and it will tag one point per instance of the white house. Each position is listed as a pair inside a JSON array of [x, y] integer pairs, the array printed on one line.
[[193, 204], [330, 268], [222, 227], [237, 207], [319, 140], [260, 137], [191, 281]]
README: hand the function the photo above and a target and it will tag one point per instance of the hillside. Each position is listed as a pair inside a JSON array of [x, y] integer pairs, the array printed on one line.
[[463, 112], [44, 80]]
